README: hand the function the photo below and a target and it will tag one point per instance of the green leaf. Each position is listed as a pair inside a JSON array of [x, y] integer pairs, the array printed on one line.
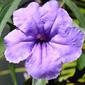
[[2, 48], [6, 13], [76, 12], [68, 70], [81, 62], [7, 72], [38, 82], [13, 73]]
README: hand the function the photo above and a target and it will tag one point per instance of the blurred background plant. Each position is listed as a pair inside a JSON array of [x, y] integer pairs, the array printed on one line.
[[72, 73]]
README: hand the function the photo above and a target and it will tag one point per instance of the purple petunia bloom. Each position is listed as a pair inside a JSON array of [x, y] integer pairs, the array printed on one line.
[[45, 38]]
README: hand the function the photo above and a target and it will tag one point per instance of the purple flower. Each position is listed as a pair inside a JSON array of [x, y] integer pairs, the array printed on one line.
[[45, 38]]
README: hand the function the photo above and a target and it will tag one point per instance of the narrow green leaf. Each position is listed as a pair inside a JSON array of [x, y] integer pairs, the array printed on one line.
[[38, 82], [4, 9], [7, 12], [17, 70], [68, 70], [13, 73], [76, 12], [2, 48], [81, 62]]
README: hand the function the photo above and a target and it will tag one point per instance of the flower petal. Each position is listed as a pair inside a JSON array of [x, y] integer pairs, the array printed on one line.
[[23, 18], [49, 7], [44, 63], [67, 52], [69, 44], [18, 52], [62, 21], [48, 14], [16, 36], [22, 15]]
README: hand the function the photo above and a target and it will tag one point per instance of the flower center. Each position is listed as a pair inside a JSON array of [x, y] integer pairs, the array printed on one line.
[[41, 38]]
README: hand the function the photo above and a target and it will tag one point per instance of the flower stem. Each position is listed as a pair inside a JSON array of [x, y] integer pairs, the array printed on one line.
[[38, 82], [13, 74], [33, 81]]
